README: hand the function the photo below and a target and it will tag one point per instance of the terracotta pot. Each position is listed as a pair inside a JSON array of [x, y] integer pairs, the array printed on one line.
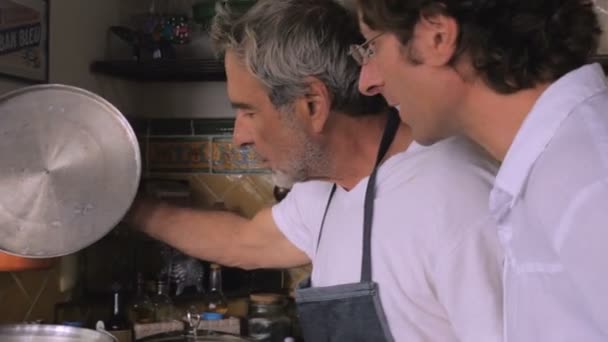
[[10, 262]]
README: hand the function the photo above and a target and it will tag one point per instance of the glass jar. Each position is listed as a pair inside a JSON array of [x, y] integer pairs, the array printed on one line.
[[267, 319], [215, 300], [163, 305], [141, 308]]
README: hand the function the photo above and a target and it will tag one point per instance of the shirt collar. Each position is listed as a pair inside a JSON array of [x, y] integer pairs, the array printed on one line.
[[550, 110]]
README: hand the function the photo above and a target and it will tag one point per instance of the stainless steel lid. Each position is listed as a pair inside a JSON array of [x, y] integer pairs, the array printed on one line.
[[50, 333], [203, 336], [69, 170]]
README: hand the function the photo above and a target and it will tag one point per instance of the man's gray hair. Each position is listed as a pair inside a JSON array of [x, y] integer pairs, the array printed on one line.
[[284, 42]]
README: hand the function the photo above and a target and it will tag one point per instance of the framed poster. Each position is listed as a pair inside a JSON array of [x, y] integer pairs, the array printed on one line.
[[24, 39]]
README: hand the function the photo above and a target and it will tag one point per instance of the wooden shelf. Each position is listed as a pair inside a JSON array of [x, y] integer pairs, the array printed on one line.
[[189, 70]]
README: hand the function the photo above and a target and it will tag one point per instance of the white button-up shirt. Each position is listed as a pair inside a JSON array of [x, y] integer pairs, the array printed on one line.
[[550, 200]]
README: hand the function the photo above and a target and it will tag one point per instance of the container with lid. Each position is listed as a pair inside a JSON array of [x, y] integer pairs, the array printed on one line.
[[212, 316], [215, 301], [267, 319], [164, 309], [141, 307], [51, 333], [202, 336]]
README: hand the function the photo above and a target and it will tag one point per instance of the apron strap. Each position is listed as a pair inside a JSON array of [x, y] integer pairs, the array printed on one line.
[[331, 195], [390, 130], [392, 125]]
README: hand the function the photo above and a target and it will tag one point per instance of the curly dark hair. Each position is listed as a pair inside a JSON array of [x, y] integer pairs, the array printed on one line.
[[513, 44]]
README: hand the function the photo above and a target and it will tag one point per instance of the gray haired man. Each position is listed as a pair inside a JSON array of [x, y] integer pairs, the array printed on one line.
[[399, 234]]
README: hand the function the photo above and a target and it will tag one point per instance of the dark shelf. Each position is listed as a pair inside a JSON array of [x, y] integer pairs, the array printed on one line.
[[188, 70]]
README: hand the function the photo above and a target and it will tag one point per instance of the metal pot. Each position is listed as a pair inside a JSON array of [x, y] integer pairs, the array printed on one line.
[[202, 336], [10, 262], [50, 333], [69, 170]]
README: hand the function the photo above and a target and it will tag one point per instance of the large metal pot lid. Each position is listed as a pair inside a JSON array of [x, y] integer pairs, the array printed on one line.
[[69, 170]]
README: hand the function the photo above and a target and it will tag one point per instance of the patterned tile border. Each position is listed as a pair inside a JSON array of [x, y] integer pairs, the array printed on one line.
[[176, 154], [229, 159], [193, 146]]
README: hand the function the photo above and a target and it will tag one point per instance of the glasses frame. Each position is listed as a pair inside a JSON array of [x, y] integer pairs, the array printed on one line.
[[363, 52]]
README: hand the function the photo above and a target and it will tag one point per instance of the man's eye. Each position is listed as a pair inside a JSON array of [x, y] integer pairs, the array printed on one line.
[[246, 114]]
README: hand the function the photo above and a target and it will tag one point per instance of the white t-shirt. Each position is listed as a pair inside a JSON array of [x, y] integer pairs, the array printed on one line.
[[551, 203], [435, 253]]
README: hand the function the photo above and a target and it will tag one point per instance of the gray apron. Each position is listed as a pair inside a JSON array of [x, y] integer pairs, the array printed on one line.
[[349, 312]]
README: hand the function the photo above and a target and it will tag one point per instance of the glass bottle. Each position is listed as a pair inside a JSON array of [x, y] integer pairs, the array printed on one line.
[[267, 319], [163, 305], [215, 300], [117, 324], [141, 308]]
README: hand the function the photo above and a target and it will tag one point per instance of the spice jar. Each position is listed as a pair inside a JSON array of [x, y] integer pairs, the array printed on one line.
[[267, 319]]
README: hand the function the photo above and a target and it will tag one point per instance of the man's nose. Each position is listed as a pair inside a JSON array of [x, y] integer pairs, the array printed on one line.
[[241, 136], [370, 81]]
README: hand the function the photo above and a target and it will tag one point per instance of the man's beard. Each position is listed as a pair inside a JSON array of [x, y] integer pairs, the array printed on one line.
[[310, 160], [282, 179]]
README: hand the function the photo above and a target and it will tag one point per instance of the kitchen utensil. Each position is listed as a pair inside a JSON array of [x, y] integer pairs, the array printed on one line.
[[203, 336], [50, 333], [69, 170], [9, 262]]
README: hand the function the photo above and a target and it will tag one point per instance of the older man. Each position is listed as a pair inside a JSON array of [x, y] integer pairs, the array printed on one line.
[[399, 235], [512, 76]]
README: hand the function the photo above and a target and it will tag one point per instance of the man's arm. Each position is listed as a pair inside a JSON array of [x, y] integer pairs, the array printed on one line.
[[218, 236]]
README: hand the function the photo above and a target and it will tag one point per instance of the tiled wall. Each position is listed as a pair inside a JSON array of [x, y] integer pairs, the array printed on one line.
[[193, 146], [29, 296], [201, 152]]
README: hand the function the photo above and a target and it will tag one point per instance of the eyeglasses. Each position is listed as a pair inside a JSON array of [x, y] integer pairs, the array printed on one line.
[[363, 52]]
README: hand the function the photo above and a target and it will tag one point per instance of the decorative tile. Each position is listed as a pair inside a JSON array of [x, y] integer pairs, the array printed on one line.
[[226, 158], [20, 286], [182, 146], [29, 295], [17, 301], [217, 184], [6, 281], [263, 186], [244, 199], [44, 295], [6, 285], [202, 195], [177, 155]]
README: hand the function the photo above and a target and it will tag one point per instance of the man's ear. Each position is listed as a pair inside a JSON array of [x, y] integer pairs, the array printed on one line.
[[317, 103], [436, 39]]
